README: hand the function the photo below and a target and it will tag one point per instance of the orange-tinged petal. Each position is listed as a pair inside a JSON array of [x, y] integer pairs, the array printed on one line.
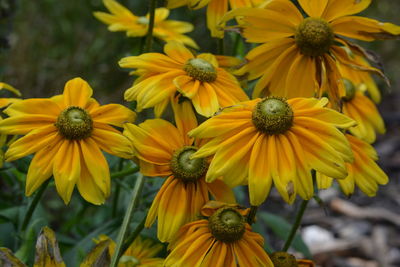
[[154, 62], [340, 8], [113, 114], [67, 168], [31, 143], [41, 167], [259, 179], [94, 181], [365, 29], [96, 164], [185, 119], [215, 11], [228, 157], [23, 124], [172, 210], [187, 86], [77, 92], [151, 169], [205, 101], [331, 135], [301, 81], [113, 143], [150, 143], [34, 106], [178, 52], [320, 155], [221, 191], [314, 8]]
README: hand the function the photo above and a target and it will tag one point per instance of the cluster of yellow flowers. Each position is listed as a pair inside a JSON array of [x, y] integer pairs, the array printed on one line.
[[310, 120]]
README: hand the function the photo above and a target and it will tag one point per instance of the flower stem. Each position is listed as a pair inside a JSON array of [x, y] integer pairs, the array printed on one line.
[[124, 173], [220, 46], [252, 214], [132, 236], [32, 206], [149, 36], [296, 225], [128, 215]]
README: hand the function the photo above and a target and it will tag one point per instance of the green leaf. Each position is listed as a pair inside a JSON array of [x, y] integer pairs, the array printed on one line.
[[282, 229]]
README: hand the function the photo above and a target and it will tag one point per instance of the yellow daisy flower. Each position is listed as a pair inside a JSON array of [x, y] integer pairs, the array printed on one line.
[[363, 171], [275, 140], [215, 11], [223, 238], [67, 133], [298, 55], [199, 78], [139, 254], [121, 19], [361, 109], [164, 150], [362, 80]]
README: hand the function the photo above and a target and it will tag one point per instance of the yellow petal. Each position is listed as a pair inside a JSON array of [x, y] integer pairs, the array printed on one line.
[[259, 179], [113, 143], [340, 8], [32, 142], [77, 92], [41, 167], [67, 168], [314, 8], [178, 52], [114, 114]]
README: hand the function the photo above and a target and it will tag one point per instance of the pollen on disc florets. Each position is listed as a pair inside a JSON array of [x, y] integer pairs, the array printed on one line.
[[314, 37], [283, 259], [350, 90], [272, 115], [74, 123], [185, 168], [227, 225], [200, 69]]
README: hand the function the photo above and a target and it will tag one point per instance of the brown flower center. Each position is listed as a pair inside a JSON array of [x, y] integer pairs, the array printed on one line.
[[200, 69], [272, 115], [227, 225], [314, 37], [186, 169], [350, 90], [283, 259], [74, 123]]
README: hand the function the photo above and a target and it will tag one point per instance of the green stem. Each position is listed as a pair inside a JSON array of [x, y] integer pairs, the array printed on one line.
[[220, 46], [296, 225], [132, 236], [128, 215], [236, 44], [32, 206], [149, 35], [252, 214], [124, 172]]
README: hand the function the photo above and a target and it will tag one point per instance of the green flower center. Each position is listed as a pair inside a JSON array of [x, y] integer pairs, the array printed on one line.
[[227, 225], [200, 69], [314, 37], [186, 169], [350, 90], [272, 115], [143, 20], [74, 123], [283, 259]]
